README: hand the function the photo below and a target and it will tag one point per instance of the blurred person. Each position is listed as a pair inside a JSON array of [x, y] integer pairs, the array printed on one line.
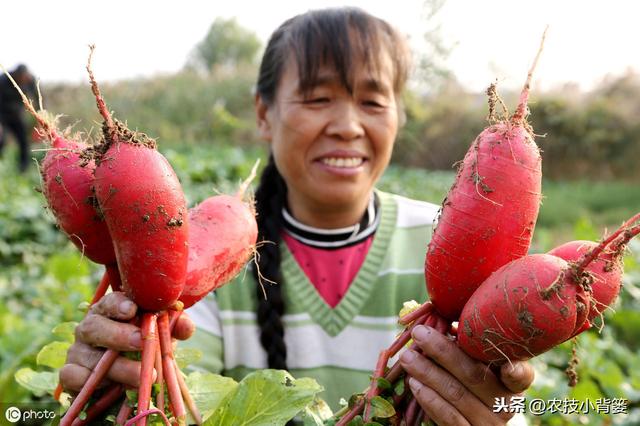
[[12, 111]]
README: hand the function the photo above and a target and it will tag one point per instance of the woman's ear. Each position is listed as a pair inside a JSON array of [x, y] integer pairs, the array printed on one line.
[[263, 119]]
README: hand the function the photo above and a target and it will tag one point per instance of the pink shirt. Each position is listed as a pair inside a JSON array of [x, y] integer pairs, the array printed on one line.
[[330, 271]]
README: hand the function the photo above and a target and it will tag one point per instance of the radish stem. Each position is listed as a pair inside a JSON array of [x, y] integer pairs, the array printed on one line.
[[412, 412], [626, 230], [245, 184], [102, 404], [159, 379], [149, 329], [124, 412], [406, 336], [520, 113], [188, 399], [102, 106], [96, 376], [383, 359], [173, 388], [143, 416], [425, 308]]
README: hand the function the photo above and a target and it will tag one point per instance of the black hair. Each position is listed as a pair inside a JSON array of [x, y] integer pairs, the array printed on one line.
[[336, 37]]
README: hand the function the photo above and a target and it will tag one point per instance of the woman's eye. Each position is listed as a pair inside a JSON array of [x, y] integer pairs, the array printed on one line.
[[372, 103], [316, 101]]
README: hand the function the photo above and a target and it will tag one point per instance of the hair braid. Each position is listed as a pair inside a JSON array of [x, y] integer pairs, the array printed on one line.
[[270, 198]]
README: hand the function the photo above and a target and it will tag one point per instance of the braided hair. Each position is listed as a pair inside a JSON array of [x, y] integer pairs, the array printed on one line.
[[270, 198], [335, 37]]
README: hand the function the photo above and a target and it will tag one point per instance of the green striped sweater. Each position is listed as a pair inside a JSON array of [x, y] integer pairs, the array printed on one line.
[[338, 347]]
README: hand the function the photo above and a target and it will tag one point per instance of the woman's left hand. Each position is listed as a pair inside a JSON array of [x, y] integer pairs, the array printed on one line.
[[455, 389]]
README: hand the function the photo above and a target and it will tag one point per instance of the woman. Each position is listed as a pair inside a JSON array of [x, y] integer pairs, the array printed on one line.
[[342, 256]]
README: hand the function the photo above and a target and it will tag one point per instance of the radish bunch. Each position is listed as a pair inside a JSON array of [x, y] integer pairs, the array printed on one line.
[[539, 301], [121, 204], [486, 221], [509, 305]]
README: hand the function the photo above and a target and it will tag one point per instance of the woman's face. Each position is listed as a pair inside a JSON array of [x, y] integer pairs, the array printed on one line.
[[331, 146]]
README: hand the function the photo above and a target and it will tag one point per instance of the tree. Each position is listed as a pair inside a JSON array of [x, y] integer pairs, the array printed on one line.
[[226, 44], [432, 72]]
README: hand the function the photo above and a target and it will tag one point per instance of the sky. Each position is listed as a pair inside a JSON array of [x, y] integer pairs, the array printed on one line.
[[489, 39]]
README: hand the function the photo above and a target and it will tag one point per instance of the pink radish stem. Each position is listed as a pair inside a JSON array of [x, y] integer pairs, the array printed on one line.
[[149, 329], [173, 388]]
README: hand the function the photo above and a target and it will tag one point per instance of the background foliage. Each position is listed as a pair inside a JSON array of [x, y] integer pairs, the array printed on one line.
[[203, 119]]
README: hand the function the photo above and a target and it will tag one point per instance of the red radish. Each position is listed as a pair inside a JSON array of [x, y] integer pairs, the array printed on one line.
[[67, 184], [222, 237], [516, 313], [533, 303], [488, 216], [145, 211]]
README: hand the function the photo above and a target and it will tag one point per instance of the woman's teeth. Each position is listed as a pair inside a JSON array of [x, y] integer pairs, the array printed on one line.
[[343, 162]]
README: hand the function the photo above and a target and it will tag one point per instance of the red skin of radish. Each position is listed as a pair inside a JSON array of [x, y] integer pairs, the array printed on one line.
[[515, 311], [606, 270], [488, 217], [222, 236], [67, 186], [145, 210]]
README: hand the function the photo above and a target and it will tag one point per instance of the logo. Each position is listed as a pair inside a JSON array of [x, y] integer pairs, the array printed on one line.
[[13, 414]]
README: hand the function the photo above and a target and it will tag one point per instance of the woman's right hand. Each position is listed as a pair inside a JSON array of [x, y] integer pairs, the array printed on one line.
[[106, 325]]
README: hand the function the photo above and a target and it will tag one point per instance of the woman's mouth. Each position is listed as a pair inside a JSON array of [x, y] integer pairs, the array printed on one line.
[[343, 162]]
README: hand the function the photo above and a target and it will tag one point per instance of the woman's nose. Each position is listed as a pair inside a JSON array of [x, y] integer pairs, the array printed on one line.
[[345, 122]]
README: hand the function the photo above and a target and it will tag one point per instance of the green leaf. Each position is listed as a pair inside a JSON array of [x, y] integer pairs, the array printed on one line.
[[609, 376], [357, 421], [355, 399], [399, 387], [381, 408], [383, 383], [53, 355], [84, 306], [586, 390], [208, 390], [316, 413], [265, 397], [38, 382], [65, 331], [186, 356]]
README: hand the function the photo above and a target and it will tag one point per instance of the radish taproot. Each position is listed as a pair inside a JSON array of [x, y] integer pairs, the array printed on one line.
[[489, 214], [535, 303], [222, 237]]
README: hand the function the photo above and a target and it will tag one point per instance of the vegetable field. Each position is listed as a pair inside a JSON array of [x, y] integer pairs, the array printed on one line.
[[44, 282]]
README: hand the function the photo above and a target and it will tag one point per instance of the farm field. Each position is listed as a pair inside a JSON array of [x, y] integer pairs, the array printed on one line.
[[44, 281]]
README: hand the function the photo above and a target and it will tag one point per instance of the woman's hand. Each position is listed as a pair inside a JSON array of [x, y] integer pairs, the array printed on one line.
[[453, 388], [107, 326]]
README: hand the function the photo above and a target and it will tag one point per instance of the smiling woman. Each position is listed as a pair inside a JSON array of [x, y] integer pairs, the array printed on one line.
[[331, 143]]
